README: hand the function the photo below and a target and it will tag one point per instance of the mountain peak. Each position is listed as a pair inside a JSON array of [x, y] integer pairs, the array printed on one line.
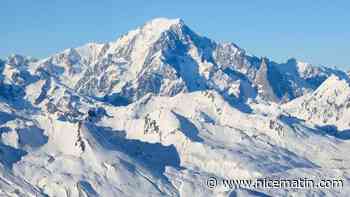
[[163, 23], [148, 33], [17, 59], [333, 82], [157, 26]]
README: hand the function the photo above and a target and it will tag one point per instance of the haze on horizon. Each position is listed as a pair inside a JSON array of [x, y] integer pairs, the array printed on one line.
[[317, 33]]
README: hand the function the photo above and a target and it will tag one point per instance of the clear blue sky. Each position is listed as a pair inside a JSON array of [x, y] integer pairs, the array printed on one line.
[[313, 31]]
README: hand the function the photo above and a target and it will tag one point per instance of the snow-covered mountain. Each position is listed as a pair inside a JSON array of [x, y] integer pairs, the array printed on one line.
[[165, 57], [160, 110], [328, 105]]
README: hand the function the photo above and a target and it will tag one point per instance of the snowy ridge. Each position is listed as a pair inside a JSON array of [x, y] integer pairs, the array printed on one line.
[[162, 109], [165, 57], [328, 105]]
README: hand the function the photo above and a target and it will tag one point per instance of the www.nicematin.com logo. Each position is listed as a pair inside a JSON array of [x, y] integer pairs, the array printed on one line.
[[264, 183]]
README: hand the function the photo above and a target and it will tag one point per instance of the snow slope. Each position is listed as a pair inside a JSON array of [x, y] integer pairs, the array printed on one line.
[[329, 105]]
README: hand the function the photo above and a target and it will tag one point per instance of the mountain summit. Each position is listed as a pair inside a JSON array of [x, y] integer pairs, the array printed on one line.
[[165, 57]]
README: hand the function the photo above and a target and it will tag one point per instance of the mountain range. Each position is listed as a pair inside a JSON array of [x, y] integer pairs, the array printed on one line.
[[160, 110]]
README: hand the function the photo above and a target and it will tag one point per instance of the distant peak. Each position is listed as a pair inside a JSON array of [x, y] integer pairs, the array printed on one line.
[[151, 29], [14, 55], [164, 22], [16, 59], [333, 82]]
